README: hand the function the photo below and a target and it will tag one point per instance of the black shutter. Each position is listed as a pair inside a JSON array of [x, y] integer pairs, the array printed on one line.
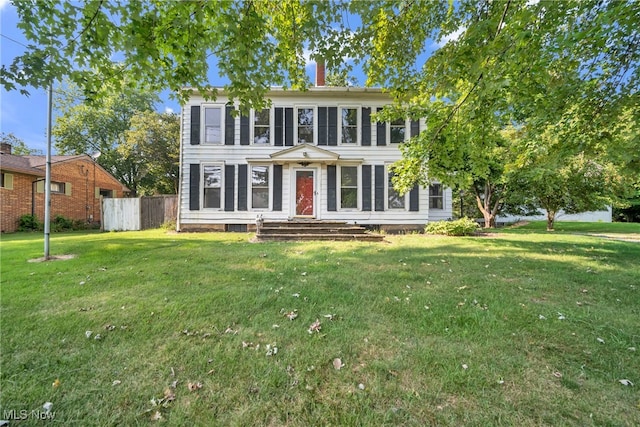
[[322, 126], [366, 187], [333, 126], [277, 187], [229, 126], [229, 181], [242, 187], [379, 190], [415, 128], [414, 200], [366, 126], [244, 130], [331, 188], [288, 126], [194, 187], [381, 137], [279, 118], [195, 124]]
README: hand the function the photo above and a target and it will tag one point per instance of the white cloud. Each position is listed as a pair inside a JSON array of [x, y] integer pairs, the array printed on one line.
[[3, 3], [452, 37], [168, 110]]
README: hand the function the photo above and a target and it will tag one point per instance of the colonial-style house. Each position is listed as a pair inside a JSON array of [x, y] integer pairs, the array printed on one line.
[[315, 154], [77, 183]]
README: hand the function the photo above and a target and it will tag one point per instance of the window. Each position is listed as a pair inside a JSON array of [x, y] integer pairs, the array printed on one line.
[[436, 199], [348, 187], [305, 125], [107, 194], [57, 187], [349, 125], [260, 187], [213, 125], [395, 199], [212, 186], [2, 180], [397, 130], [261, 126]]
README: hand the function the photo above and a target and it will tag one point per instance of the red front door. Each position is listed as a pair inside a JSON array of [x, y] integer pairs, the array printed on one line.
[[304, 193]]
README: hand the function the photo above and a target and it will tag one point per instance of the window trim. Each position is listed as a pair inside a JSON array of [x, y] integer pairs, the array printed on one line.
[[407, 130], [61, 189], [358, 109], [252, 117], [202, 186], [387, 187], [358, 188], [296, 123], [269, 187], [440, 196], [203, 121]]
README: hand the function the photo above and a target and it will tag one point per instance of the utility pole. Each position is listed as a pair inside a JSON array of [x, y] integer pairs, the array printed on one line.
[[47, 185]]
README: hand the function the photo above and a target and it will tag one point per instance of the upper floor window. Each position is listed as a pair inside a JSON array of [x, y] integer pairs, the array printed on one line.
[[260, 187], [212, 186], [348, 187], [397, 129], [436, 198], [349, 126], [395, 200], [306, 125], [262, 127], [213, 125]]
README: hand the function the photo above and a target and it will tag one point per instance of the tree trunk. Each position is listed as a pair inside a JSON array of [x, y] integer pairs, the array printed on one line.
[[551, 217], [485, 206]]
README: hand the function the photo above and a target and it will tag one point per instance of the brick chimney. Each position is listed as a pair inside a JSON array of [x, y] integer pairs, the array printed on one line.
[[320, 73], [5, 148]]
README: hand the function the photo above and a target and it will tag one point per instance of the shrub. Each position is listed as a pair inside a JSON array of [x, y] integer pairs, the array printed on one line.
[[29, 223], [60, 223], [460, 227]]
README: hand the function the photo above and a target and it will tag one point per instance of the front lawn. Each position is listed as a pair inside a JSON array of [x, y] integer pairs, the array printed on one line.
[[519, 327]]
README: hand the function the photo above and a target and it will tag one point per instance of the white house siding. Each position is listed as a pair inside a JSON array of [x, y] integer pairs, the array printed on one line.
[[593, 216], [358, 155]]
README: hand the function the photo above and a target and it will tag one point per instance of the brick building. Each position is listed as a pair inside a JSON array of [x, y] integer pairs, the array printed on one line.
[[77, 183]]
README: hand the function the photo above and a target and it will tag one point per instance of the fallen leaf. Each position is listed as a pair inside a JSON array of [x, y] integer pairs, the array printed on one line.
[[600, 340], [631, 349], [541, 317], [272, 350], [56, 383], [88, 334], [116, 382], [557, 374], [296, 295], [47, 407], [169, 395], [465, 366], [97, 337], [329, 316], [337, 363], [361, 386], [315, 327], [461, 288], [626, 382], [194, 386], [561, 316], [291, 314], [157, 416]]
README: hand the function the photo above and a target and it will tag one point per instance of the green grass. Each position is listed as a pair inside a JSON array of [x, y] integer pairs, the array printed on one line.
[[409, 313]]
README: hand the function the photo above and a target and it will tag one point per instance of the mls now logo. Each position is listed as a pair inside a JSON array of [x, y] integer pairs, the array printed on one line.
[[24, 414]]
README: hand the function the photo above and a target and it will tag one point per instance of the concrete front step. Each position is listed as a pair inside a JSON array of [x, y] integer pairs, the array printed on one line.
[[311, 230], [314, 230], [333, 237]]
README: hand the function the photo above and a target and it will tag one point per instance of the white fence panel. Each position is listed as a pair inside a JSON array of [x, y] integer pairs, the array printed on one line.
[[121, 214]]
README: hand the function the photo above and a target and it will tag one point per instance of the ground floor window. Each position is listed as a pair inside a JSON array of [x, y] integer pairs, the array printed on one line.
[[436, 199], [260, 187], [395, 200], [212, 186], [349, 187], [57, 187]]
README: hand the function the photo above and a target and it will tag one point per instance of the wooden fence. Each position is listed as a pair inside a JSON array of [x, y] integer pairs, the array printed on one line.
[[127, 214]]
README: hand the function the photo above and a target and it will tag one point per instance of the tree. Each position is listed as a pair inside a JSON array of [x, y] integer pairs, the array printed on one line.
[[572, 65], [99, 126], [154, 140], [18, 146]]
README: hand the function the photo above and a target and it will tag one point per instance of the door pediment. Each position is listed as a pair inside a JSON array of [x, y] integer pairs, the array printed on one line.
[[305, 153]]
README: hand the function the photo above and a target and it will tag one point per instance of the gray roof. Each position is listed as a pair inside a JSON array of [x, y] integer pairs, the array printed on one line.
[[31, 165]]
